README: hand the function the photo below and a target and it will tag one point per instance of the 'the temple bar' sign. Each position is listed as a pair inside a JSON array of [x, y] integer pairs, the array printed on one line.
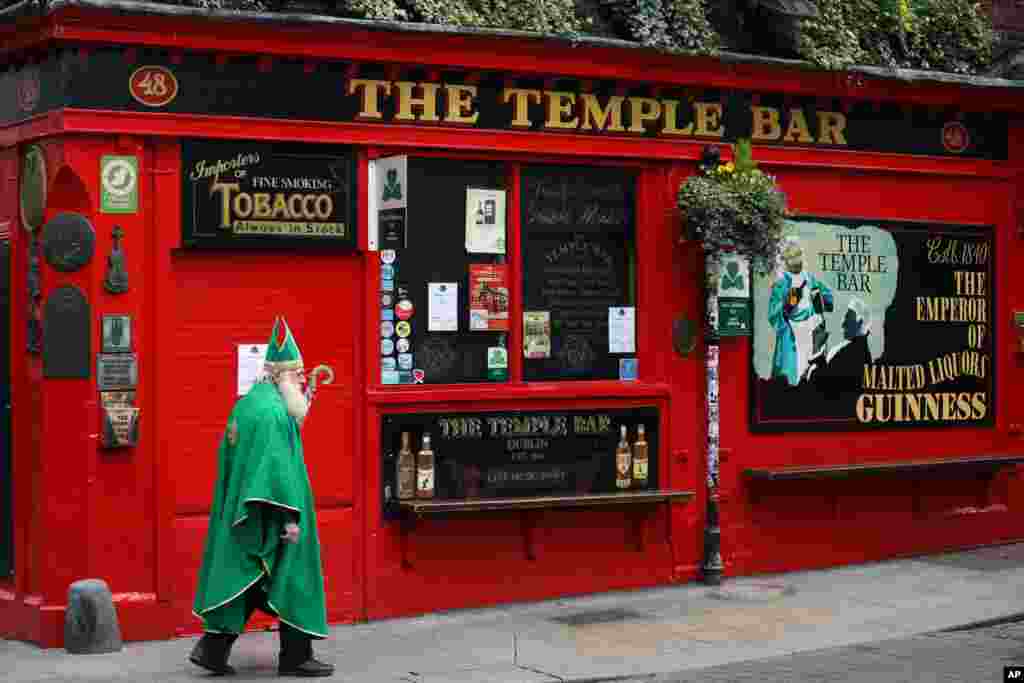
[[382, 94]]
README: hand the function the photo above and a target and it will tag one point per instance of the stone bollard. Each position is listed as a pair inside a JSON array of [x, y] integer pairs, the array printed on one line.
[[90, 622]]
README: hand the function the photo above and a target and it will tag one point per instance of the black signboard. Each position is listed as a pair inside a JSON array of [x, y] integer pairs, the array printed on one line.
[[873, 324], [509, 454], [578, 256], [294, 88], [66, 336], [257, 194]]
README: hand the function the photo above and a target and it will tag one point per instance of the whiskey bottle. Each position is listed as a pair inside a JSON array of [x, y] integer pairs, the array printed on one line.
[[623, 461], [425, 469], [406, 470], [640, 458]]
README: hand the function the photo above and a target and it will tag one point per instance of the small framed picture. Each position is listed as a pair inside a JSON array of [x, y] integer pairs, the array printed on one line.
[[117, 333]]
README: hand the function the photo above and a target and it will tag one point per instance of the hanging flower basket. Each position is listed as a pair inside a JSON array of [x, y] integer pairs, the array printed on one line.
[[734, 206]]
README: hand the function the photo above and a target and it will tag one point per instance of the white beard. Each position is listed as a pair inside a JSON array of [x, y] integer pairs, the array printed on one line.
[[294, 400]]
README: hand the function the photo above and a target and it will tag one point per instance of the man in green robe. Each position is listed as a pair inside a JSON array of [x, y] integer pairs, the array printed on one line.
[[262, 550]]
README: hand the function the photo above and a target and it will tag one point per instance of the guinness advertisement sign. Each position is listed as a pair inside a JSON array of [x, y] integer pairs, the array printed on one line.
[[253, 194], [876, 324]]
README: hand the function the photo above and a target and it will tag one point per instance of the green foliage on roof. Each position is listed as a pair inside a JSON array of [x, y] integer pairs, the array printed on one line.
[[547, 16], [941, 35]]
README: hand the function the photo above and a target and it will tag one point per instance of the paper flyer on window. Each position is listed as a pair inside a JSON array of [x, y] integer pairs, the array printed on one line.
[[250, 365], [537, 334], [485, 221], [488, 297], [442, 306], [622, 329]]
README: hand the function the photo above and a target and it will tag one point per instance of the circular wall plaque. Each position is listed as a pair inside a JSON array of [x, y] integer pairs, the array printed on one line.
[[68, 241], [32, 190]]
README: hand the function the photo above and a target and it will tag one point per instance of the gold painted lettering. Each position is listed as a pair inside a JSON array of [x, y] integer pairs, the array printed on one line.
[[280, 209], [671, 108], [225, 190], [324, 206], [709, 119], [831, 128], [609, 118], [521, 106], [797, 131], [560, 105], [261, 201], [766, 124], [641, 110], [460, 104], [980, 405], [242, 205], [295, 206], [427, 103], [865, 412], [371, 89], [307, 212]]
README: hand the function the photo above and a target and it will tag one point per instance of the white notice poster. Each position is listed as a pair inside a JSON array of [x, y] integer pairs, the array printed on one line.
[[622, 329], [485, 221], [443, 306], [250, 365]]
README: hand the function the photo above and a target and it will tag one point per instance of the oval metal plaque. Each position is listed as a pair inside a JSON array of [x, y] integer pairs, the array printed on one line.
[[153, 86], [68, 241], [32, 189]]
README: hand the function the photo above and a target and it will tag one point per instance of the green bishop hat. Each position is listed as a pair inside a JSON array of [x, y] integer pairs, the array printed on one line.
[[282, 351]]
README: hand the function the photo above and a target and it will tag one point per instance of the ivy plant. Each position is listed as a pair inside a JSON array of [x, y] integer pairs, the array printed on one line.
[[734, 206]]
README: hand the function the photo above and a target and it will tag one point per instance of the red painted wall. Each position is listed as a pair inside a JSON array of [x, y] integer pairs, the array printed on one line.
[[206, 303], [830, 522], [137, 518], [191, 309]]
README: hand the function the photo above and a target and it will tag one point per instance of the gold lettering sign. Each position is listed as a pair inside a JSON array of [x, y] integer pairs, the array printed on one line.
[[458, 104]]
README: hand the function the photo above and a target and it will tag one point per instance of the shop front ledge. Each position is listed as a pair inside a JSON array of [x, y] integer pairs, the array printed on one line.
[[983, 466], [991, 463], [529, 509]]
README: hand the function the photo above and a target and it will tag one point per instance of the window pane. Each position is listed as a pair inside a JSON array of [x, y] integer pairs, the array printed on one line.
[[578, 256]]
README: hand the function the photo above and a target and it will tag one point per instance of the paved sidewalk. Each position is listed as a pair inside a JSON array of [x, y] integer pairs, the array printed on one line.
[[629, 634]]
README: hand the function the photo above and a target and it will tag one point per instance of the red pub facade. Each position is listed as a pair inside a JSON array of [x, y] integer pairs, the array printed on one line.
[[419, 205]]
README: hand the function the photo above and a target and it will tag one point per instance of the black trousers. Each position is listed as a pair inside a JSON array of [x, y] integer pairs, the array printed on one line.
[[296, 646]]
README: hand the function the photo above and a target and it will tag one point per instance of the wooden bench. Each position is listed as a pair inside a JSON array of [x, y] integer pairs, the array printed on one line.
[[528, 509], [984, 465]]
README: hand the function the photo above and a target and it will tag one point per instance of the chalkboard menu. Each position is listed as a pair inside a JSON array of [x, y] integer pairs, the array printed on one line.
[[578, 256], [508, 454], [436, 254]]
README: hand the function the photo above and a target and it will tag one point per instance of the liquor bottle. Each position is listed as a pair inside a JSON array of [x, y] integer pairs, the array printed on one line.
[[406, 470], [425, 469], [622, 462], [640, 460]]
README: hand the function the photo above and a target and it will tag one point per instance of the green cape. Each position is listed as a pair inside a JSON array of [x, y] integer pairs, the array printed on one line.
[[262, 474]]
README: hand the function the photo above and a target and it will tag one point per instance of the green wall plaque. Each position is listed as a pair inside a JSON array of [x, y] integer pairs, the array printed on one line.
[[32, 188]]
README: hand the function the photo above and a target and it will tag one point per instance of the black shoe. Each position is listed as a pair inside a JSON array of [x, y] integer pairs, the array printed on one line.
[[310, 668], [211, 653]]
